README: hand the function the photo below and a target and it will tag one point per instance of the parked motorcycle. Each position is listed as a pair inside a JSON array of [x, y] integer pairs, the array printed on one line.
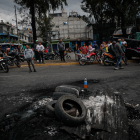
[[91, 57], [4, 65], [49, 56], [109, 59], [13, 59], [21, 57]]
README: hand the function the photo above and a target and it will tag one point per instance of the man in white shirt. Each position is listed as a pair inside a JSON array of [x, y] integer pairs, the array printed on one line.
[[124, 45], [40, 50]]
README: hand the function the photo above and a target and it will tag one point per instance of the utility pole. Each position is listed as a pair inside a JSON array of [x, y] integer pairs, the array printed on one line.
[[16, 22]]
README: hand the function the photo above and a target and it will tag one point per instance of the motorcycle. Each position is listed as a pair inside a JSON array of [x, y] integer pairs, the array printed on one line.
[[21, 57], [91, 57], [109, 59], [13, 59], [49, 56], [4, 65]]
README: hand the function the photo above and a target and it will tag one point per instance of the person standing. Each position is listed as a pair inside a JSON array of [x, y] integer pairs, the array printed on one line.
[[84, 49], [36, 52], [75, 51], [61, 49], [119, 53], [29, 54], [124, 45], [40, 50], [90, 47]]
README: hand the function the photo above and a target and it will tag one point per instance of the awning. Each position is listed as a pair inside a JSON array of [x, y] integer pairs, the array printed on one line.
[[7, 34]]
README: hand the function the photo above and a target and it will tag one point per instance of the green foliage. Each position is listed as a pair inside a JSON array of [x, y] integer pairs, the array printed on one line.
[[124, 12], [36, 7]]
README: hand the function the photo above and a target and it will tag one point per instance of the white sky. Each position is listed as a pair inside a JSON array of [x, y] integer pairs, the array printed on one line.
[[7, 11]]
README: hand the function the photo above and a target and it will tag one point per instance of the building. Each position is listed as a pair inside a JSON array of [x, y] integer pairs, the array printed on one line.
[[8, 33], [71, 27], [26, 35]]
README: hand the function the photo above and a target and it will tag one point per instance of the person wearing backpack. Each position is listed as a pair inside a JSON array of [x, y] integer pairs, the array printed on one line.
[[61, 49]]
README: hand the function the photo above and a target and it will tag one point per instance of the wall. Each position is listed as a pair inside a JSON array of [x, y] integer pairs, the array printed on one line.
[[89, 31], [75, 29]]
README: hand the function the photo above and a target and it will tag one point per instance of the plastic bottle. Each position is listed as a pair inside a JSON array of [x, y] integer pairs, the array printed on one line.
[[85, 83]]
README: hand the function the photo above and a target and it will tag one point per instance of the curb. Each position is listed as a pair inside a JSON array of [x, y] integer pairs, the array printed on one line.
[[55, 64], [68, 64]]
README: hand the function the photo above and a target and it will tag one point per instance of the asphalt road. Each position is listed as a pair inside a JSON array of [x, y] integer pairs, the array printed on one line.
[[19, 88]]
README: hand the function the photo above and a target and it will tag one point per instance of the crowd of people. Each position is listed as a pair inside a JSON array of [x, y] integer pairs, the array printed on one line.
[[115, 48]]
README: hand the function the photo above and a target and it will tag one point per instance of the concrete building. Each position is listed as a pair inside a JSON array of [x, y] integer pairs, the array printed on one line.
[[69, 27], [26, 35]]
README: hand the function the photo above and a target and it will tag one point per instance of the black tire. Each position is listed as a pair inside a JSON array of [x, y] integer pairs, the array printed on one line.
[[67, 90], [71, 86], [125, 60], [68, 57], [5, 68], [18, 65], [57, 95], [82, 63], [50, 108], [65, 117], [50, 112], [105, 63]]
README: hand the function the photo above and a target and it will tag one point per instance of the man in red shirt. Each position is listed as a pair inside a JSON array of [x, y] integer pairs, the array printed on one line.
[[84, 49]]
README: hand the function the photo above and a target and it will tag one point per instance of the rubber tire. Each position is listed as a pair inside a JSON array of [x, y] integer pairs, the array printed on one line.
[[66, 118], [50, 109], [57, 95], [68, 57], [84, 63], [67, 90], [71, 86], [106, 64], [7, 69]]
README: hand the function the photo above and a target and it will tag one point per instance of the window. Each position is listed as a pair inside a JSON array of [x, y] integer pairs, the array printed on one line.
[[1, 29], [65, 23], [8, 29], [57, 26]]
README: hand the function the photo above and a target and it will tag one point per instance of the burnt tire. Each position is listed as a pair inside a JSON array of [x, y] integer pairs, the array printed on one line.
[[57, 95], [64, 116], [71, 86], [67, 90], [50, 112], [50, 109]]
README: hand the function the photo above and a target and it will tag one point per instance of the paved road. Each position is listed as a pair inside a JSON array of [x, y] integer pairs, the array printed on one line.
[[19, 88]]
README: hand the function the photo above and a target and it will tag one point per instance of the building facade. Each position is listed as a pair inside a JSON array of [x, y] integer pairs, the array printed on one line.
[[71, 27]]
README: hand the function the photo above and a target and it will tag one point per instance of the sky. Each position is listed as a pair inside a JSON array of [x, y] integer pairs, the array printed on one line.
[[7, 11]]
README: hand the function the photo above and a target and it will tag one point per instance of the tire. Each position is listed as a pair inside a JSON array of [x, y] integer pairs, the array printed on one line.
[[93, 59], [50, 111], [57, 95], [17, 63], [125, 60], [71, 86], [68, 57], [67, 90], [81, 62], [50, 108], [5, 68], [106, 64], [65, 117]]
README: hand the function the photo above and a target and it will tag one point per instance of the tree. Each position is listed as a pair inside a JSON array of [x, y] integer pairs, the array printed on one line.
[[97, 10], [35, 5], [124, 11]]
